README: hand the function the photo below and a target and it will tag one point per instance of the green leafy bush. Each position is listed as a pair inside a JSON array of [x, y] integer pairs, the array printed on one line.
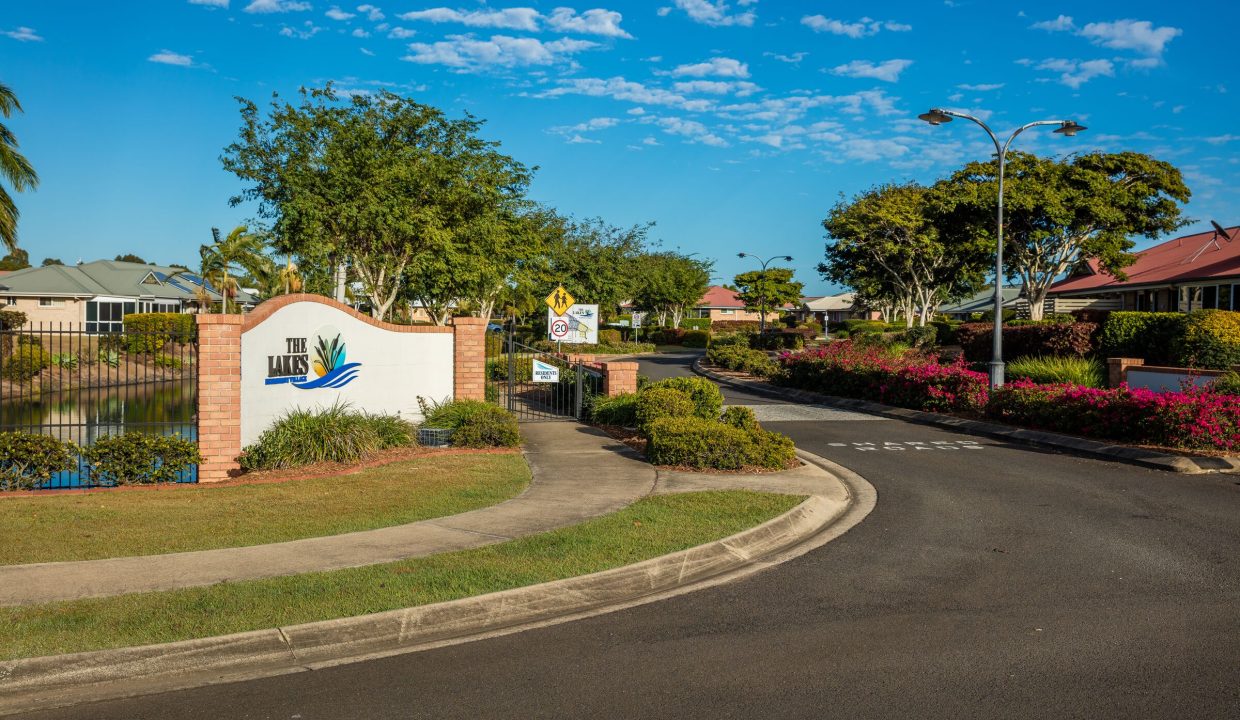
[[111, 358], [741, 418], [609, 337], [1228, 384], [696, 339], [730, 339], [1043, 339], [655, 402], [710, 444], [617, 410], [860, 326], [787, 339], [742, 359], [920, 336], [744, 326], [624, 348], [25, 362], [27, 459], [139, 458], [1153, 337], [523, 368], [1052, 370], [68, 361], [695, 323], [164, 360], [334, 434], [945, 331], [487, 428], [12, 319], [706, 397], [1211, 340], [150, 332]]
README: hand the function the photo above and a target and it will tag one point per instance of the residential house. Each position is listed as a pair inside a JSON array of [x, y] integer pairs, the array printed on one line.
[[720, 304], [833, 309], [98, 295], [984, 301], [1186, 273]]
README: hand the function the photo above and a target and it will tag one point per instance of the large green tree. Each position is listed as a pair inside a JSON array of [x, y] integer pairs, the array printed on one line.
[[596, 262], [17, 259], [768, 289], [670, 283], [886, 248], [15, 169], [1059, 214], [376, 181], [238, 253]]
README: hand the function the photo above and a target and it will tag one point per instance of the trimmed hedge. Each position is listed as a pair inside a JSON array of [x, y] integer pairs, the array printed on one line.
[[741, 418], [1152, 336], [491, 426], [746, 326], [696, 339], [137, 458], [920, 336], [609, 336], [655, 403], [150, 332], [617, 410], [695, 323], [710, 444], [1042, 339], [706, 397], [1211, 339], [742, 359], [28, 460], [624, 348], [787, 339]]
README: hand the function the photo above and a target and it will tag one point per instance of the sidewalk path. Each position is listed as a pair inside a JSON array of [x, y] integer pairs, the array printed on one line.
[[578, 473]]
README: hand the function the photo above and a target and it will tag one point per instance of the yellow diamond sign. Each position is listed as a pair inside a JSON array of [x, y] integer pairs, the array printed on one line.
[[560, 301]]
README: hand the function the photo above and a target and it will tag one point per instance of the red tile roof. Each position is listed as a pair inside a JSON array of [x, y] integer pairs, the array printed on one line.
[[718, 296], [1192, 257]]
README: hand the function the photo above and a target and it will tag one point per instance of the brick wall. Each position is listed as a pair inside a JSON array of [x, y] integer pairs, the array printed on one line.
[[469, 365], [219, 395], [619, 378]]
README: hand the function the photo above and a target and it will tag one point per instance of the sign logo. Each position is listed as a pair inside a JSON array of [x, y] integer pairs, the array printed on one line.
[[322, 366], [560, 301]]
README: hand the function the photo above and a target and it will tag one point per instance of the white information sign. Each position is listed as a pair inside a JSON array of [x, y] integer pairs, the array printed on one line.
[[579, 324], [545, 372]]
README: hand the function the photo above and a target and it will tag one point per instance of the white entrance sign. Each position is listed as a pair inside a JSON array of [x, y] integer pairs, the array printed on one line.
[[579, 324], [312, 355], [545, 372]]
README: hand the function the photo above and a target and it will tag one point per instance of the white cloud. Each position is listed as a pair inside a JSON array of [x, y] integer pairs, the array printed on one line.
[[367, 52], [467, 52], [793, 59], [372, 13], [1220, 139], [305, 32], [167, 57], [987, 87], [716, 87], [210, 3], [337, 14], [715, 67], [887, 71], [1063, 23], [859, 29], [276, 6], [599, 123], [1075, 73], [23, 34], [590, 22], [715, 13], [510, 18], [359, 33], [695, 131], [620, 89], [651, 140], [581, 140], [1137, 35], [401, 33]]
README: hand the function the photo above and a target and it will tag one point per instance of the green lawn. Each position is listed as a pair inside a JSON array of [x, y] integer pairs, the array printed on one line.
[[178, 519], [651, 527]]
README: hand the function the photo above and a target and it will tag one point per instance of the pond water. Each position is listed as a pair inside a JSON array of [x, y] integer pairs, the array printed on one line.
[[82, 416]]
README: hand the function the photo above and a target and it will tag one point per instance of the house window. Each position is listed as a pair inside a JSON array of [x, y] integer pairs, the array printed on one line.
[[1209, 297], [1224, 297], [9, 301], [107, 317], [51, 302], [727, 312]]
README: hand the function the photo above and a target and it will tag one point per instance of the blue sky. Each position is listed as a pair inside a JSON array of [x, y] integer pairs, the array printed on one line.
[[734, 125]]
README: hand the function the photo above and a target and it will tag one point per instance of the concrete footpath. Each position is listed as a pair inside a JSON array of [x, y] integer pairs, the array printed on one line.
[[578, 473]]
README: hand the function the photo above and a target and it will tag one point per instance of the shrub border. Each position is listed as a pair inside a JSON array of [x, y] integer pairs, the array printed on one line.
[[1188, 464]]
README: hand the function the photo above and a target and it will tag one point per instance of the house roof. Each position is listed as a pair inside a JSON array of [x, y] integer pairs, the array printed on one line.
[[1202, 256], [718, 296], [837, 302], [981, 301], [111, 278]]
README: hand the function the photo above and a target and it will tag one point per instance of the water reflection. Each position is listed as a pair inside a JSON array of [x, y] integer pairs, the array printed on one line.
[[82, 416]]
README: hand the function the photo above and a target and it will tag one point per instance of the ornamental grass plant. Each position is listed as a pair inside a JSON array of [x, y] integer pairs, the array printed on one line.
[[1054, 370]]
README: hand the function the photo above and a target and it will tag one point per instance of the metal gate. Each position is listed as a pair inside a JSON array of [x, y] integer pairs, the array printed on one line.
[[512, 384], [75, 384]]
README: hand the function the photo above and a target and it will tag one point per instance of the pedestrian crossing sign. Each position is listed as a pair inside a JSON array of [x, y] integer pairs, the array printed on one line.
[[560, 301]]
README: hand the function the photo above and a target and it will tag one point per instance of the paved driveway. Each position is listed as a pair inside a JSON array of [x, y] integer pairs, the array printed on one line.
[[991, 581]]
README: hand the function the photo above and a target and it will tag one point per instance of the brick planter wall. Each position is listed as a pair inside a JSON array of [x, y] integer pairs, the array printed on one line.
[[470, 365], [219, 395]]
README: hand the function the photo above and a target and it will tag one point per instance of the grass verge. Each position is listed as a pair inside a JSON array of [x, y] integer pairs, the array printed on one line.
[[649, 528], [180, 519]]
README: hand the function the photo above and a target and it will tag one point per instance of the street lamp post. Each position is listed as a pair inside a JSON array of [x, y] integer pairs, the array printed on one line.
[[762, 284], [1067, 128]]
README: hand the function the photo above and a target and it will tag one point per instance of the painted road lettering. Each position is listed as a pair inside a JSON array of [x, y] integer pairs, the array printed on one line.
[[913, 445]]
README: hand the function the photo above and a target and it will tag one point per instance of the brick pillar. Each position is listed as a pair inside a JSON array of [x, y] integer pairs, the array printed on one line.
[[619, 378], [469, 379], [219, 395], [1117, 370]]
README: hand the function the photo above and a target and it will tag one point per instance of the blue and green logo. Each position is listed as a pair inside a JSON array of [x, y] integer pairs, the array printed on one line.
[[323, 366]]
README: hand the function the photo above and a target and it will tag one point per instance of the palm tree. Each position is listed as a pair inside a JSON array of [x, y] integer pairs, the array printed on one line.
[[15, 168], [240, 252]]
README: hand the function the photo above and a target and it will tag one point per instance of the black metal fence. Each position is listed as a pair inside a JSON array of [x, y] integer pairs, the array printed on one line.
[[536, 385], [58, 379]]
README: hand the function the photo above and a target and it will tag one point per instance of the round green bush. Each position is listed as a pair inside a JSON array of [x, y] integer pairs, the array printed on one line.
[[741, 418], [609, 336], [696, 339], [714, 445], [137, 458], [1228, 384], [656, 402], [492, 427], [1211, 339], [28, 459], [26, 361], [707, 399], [618, 410]]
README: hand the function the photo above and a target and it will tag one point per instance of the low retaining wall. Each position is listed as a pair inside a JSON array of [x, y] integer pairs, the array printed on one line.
[[1137, 374]]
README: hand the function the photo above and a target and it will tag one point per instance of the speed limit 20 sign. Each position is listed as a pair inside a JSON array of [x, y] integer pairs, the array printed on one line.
[[559, 329]]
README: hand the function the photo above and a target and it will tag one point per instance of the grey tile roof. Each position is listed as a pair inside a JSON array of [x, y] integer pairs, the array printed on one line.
[[110, 277]]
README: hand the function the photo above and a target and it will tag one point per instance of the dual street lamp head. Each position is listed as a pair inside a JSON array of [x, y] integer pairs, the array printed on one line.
[[938, 116], [786, 258]]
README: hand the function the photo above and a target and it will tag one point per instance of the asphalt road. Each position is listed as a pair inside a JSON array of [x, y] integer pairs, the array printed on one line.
[[991, 581]]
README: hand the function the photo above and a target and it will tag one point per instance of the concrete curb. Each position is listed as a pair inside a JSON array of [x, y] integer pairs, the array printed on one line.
[[54, 681], [1189, 464]]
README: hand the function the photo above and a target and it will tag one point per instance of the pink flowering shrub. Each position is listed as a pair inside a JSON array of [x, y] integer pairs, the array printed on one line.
[[1192, 419], [908, 379]]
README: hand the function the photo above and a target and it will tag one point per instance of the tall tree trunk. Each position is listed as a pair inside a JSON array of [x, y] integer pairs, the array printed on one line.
[[1037, 302]]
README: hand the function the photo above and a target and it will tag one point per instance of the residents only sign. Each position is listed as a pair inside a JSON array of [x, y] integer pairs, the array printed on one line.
[[545, 372]]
